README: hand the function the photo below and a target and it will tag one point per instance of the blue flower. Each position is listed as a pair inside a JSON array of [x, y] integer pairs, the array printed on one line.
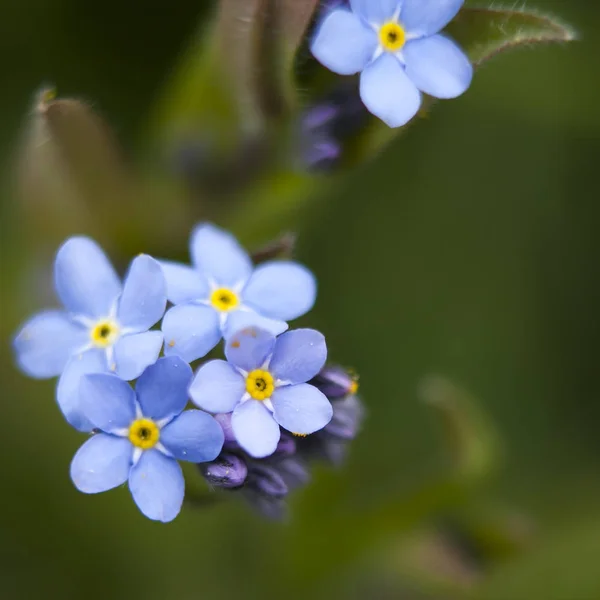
[[103, 329], [396, 46], [264, 383], [143, 433], [222, 294]]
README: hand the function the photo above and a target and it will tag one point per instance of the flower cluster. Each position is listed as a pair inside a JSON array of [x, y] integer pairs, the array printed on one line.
[[397, 48], [105, 347], [266, 483]]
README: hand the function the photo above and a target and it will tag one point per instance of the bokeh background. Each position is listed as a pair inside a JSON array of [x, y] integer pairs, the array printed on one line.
[[467, 250]]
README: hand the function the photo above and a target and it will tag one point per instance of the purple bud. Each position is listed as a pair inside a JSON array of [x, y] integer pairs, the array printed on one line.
[[227, 471], [322, 153], [335, 382], [267, 481], [347, 418], [319, 116], [269, 507], [294, 472], [286, 445]]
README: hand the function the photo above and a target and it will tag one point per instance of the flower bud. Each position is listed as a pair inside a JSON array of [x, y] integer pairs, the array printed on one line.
[[294, 472], [347, 417], [227, 471], [267, 480], [335, 382], [286, 445]]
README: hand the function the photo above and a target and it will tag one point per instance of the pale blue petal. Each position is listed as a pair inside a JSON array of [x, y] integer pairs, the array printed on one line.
[[193, 436], [133, 353], [376, 12], [101, 464], [241, 319], [184, 284], [191, 331], [85, 280], [218, 256], [388, 93], [46, 342], [426, 17], [107, 401], [217, 387], [255, 429], [301, 408], [162, 390], [438, 67], [249, 348], [281, 290], [343, 43], [157, 486], [299, 355], [67, 391], [144, 296]]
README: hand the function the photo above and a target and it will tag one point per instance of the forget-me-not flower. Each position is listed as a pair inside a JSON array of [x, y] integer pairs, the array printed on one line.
[[104, 327], [143, 433], [223, 293], [397, 48], [263, 382]]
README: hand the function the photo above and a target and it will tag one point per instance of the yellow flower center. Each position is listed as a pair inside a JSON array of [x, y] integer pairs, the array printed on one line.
[[259, 384], [144, 434], [224, 299], [392, 36], [104, 333]]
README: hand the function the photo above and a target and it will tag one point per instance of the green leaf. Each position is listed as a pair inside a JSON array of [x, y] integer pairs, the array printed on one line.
[[71, 173], [230, 83], [485, 32], [295, 17]]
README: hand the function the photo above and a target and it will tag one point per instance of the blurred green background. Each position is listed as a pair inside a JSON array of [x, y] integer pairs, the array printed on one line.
[[468, 249]]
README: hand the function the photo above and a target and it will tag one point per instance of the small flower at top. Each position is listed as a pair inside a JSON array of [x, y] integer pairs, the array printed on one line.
[[103, 329], [142, 435], [223, 293], [264, 384], [397, 48]]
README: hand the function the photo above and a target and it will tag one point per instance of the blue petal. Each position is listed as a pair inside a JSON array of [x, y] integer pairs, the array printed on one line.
[[343, 43], [281, 290], [438, 67], [191, 331], [162, 390], [85, 280], [241, 319], [67, 391], [255, 429], [107, 401], [301, 408], [298, 356], [218, 256], [101, 464], [157, 486], [388, 93], [46, 342], [133, 353], [426, 17], [193, 436], [249, 348], [376, 12], [217, 387], [184, 284], [144, 296]]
